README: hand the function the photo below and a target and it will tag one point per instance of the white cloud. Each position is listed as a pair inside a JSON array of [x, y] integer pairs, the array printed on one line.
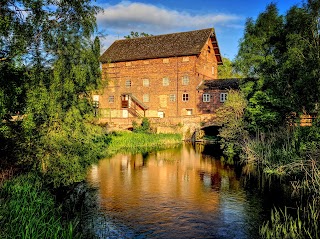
[[133, 16]]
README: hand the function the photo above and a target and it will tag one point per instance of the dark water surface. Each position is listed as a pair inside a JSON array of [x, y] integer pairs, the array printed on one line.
[[184, 192]]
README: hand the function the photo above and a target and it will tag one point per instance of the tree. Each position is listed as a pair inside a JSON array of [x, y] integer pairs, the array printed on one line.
[[137, 35], [282, 52], [233, 131], [227, 70], [60, 68]]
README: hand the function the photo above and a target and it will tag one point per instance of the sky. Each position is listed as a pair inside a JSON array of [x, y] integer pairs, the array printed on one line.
[[156, 17]]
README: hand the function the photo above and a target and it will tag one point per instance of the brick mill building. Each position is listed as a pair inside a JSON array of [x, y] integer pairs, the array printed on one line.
[[172, 75]]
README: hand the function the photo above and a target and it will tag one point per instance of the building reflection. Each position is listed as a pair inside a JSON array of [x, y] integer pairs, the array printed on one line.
[[180, 174]]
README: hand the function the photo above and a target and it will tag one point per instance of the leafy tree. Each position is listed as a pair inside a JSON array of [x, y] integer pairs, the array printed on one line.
[[50, 52], [282, 53], [227, 70], [137, 35], [231, 116]]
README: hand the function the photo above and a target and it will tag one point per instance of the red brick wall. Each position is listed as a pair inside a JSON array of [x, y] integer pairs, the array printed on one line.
[[197, 68]]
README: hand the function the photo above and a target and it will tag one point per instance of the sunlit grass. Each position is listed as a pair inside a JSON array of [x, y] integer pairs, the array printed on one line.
[[27, 210], [141, 142]]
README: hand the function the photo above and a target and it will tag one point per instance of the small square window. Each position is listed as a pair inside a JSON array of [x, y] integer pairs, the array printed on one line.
[[185, 97], [166, 60], [189, 111], [128, 83], [165, 81], [146, 82], [185, 80], [206, 97], [185, 59], [146, 98], [223, 97], [111, 99], [172, 97]]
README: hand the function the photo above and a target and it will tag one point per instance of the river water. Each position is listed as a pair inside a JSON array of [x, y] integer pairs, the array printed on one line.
[[184, 192]]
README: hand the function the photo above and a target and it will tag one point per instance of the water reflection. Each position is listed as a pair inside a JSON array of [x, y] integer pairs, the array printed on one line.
[[175, 193]]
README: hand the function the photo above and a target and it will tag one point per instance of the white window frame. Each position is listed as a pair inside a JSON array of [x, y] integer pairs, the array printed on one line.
[[111, 99], [165, 81], [223, 97], [185, 97], [128, 83], [146, 82], [172, 97], [206, 97], [146, 98], [185, 80]]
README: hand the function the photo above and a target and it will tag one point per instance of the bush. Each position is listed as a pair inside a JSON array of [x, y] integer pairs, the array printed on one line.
[[143, 128]]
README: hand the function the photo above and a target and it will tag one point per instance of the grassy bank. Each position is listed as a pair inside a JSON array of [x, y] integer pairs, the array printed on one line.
[[140, 142], [28, 210], [292, 156]]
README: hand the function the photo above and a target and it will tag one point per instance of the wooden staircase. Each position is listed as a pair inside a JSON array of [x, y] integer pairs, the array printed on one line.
[[133, 104]]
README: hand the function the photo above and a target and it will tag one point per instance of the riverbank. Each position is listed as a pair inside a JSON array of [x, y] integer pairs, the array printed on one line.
[[28, 207], [292, 158], [140, 142]]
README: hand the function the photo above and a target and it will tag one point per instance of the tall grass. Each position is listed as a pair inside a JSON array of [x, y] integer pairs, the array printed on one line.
[[27, 210], [292, 156], [305, 224], [140, 142]]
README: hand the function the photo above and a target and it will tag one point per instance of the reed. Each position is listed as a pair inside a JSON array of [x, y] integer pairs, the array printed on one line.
[[28, 210], [140, 142], [304, 224]]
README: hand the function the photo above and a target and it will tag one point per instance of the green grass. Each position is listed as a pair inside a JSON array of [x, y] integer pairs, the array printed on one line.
[[28, 210], [141, 142]]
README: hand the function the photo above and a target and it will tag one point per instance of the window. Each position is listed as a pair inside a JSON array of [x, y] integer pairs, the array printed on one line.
[[223, 97], [111, 99], [165, 81], [146, 98], [185, 59], [146, 82], [172, 97], [185, 80], [185, 97], [212, 70], [128, 83], [206, 97], [189, 111], [166, 60]]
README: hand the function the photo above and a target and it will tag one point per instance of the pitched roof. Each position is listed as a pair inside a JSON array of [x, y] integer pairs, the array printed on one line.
[[161, 46]]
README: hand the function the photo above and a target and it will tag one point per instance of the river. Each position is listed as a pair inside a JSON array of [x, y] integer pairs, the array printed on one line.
[[183, 192]]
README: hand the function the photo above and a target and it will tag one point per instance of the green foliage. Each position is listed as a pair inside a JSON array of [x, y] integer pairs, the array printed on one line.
[[140, 142], [143, 128], [283, 52], [53, 90], [27, 210], [283, 225], [137, 35], [227, 70], [231, 116]]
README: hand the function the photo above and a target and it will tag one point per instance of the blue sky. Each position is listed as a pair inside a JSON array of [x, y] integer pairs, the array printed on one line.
[[156, 17]]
